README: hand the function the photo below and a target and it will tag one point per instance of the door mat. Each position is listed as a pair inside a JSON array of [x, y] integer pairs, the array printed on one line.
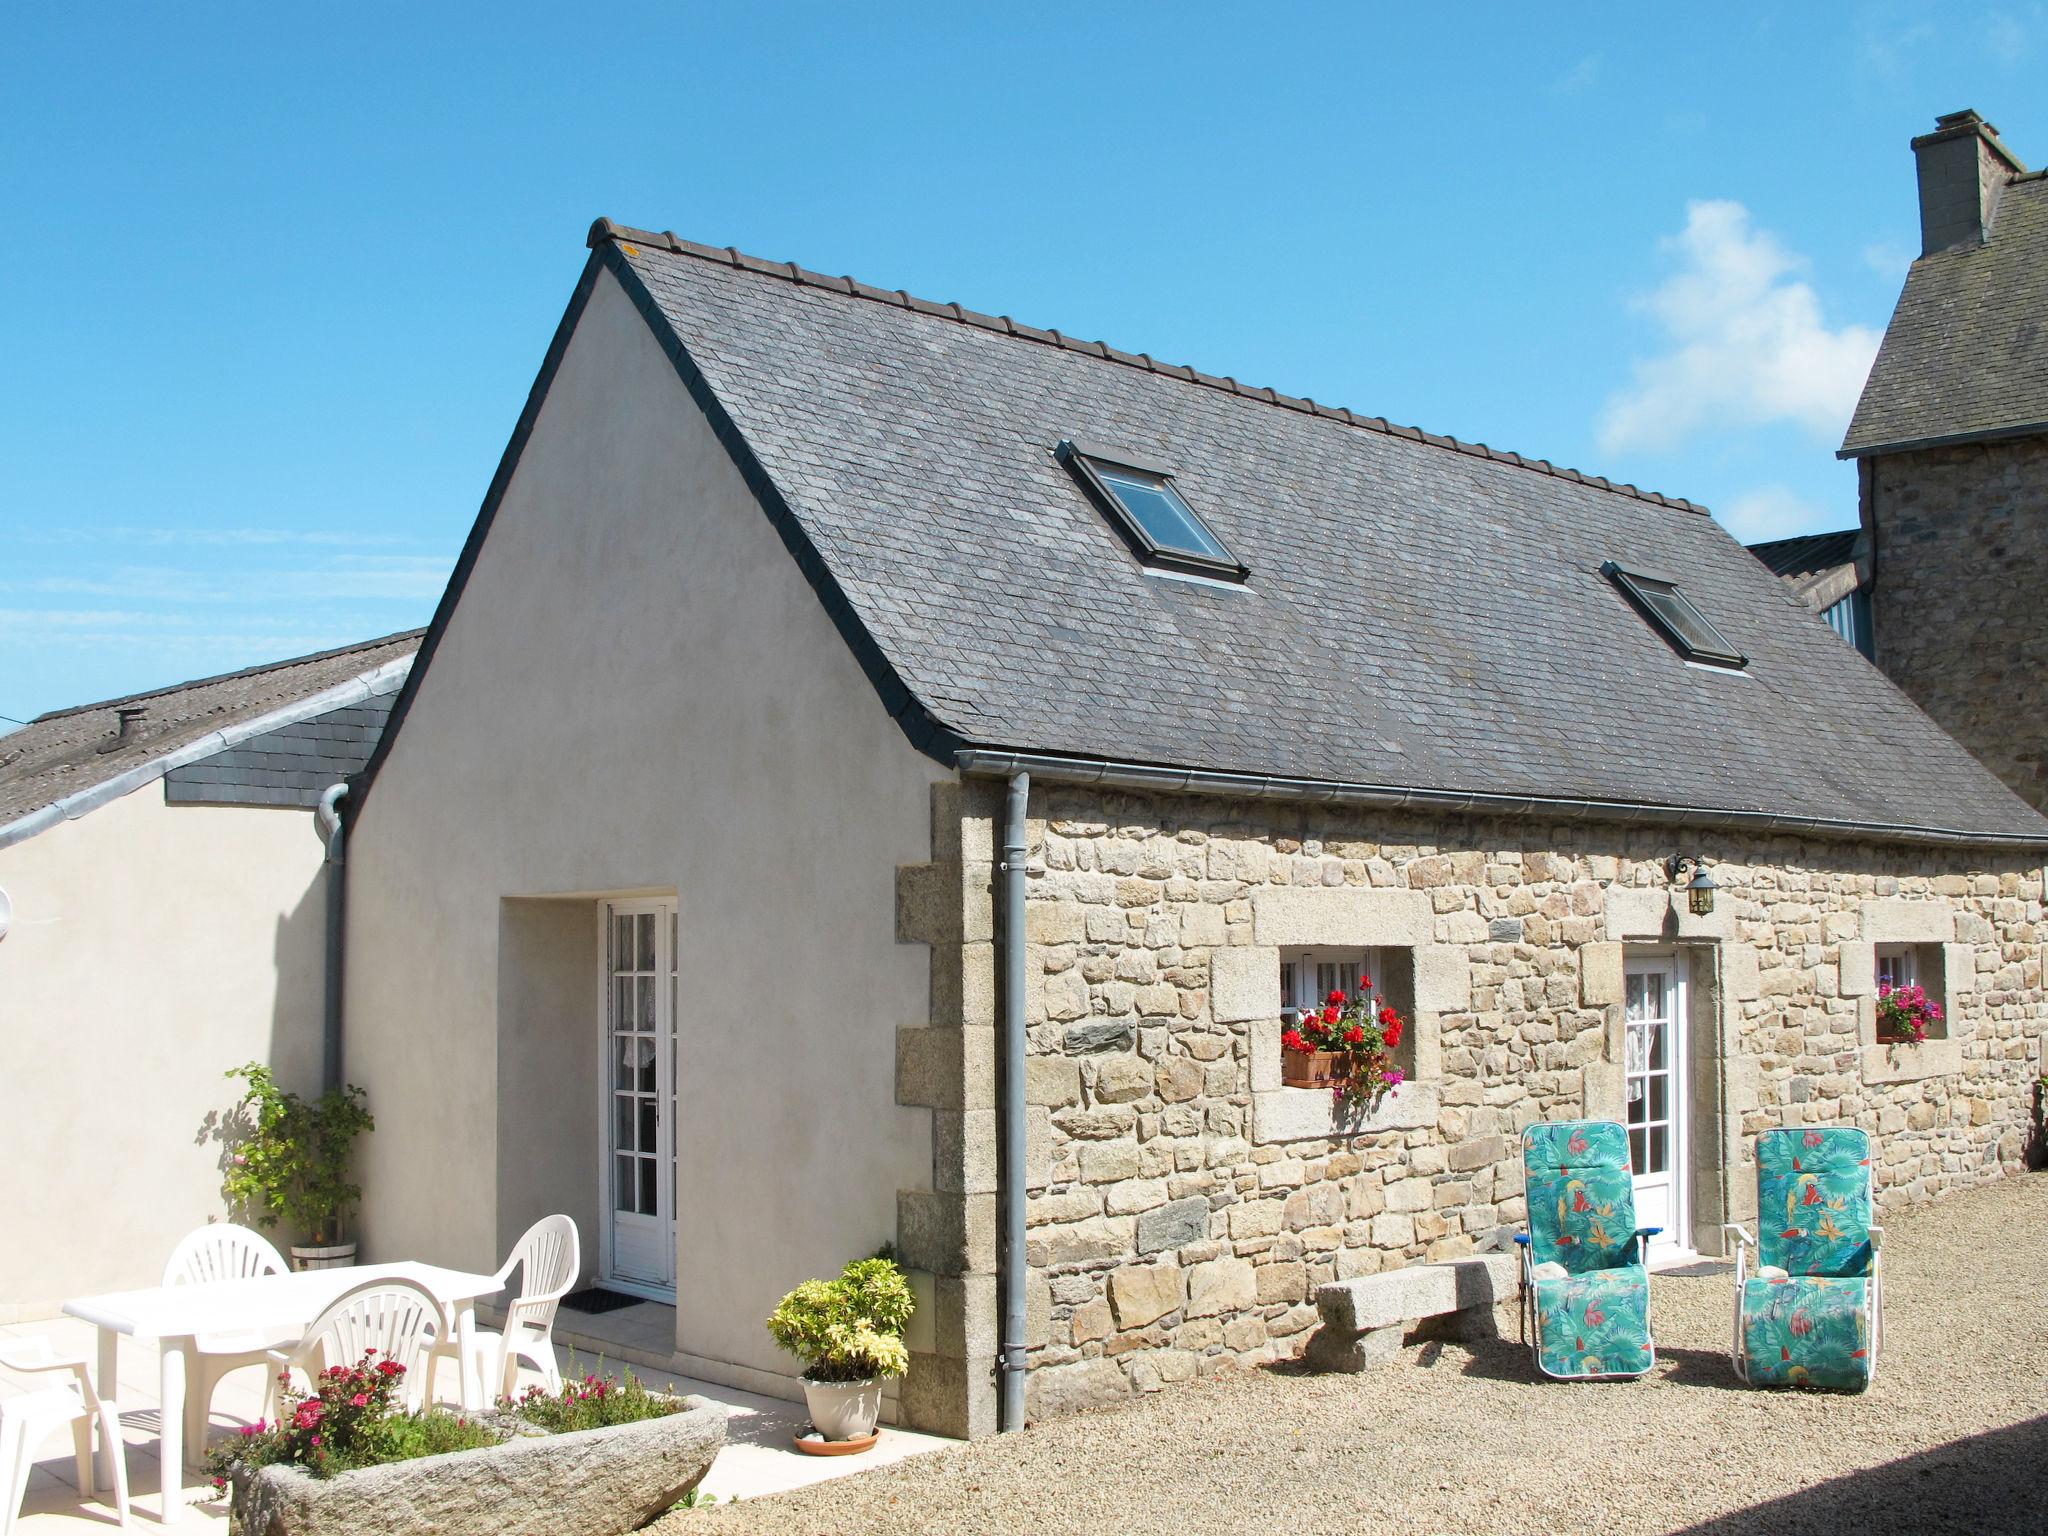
[[595, 1299]]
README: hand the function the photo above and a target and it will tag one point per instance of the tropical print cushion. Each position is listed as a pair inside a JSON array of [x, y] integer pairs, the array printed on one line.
[[1582, 1210], [1813, 1200], [1575, 1144], [1807, 1331], [1595, 1324]]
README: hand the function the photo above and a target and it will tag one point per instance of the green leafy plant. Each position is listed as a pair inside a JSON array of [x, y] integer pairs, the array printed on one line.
[[288, 1157], [348, 1419], [592, 1403], [851, 1328]]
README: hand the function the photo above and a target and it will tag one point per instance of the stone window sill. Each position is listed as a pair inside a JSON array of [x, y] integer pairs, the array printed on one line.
[[1906, 1062], [1315, 1114]]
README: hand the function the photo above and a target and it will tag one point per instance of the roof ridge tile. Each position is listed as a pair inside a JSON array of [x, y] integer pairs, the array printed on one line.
[[605, 229]]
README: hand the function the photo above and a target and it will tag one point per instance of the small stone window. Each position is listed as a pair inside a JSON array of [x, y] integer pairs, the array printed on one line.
[[1913, 965], [1387, 974]]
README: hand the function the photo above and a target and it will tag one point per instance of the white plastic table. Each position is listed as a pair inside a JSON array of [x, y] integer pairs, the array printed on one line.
[[175, 1316]]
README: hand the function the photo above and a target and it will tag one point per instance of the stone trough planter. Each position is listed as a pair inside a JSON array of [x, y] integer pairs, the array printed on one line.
[[594, 1482]]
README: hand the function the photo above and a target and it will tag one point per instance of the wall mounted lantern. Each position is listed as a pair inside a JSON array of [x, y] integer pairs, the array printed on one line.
[[1699, 888]]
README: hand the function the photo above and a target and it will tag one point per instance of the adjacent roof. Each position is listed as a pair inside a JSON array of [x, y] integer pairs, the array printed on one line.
[[1820, 568], [1424, 620], [293, 763], [56, 758], [1966, 353]]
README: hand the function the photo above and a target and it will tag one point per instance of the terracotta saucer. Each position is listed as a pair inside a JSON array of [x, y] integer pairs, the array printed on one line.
[[835, 1447]]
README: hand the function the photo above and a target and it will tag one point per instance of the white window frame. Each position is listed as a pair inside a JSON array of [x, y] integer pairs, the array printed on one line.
[[1303, 971], [1898, 965], [663, 910]]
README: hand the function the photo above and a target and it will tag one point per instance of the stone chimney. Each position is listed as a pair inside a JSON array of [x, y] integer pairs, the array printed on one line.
[[1963, 167]]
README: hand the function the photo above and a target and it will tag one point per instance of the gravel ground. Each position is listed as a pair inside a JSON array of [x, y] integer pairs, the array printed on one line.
[[1953, 1436]]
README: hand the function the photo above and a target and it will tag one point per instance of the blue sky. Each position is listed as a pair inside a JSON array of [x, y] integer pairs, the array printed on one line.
[[277, 279]]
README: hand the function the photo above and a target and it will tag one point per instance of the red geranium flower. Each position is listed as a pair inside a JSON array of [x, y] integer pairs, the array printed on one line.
[[1335, 999], [1355, 1035]]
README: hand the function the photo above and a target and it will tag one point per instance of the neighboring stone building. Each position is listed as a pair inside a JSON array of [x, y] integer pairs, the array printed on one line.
[[860, 729], [1951, 444], [163, 918]]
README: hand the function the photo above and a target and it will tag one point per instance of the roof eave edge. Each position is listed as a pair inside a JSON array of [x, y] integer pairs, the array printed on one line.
[[126, 782], [1953, 439], [1105, 772]]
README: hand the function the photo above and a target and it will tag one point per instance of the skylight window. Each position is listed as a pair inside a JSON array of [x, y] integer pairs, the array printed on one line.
[[1674, 616], [1151, 513]]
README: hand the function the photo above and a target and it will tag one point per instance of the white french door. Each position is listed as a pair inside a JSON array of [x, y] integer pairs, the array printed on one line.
[[1654, 1074], [637, 1141]]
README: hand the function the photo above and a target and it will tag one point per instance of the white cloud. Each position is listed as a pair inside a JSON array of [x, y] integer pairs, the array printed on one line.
[[205, 537], [2006, 37], [394, 577], [1887, 258], [1746, 345], [1578, 77], [1774, 512], [1884, 49]]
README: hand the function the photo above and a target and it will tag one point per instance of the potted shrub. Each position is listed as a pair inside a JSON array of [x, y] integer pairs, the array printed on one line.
[[288, 1160], [1905, 1014], [849, 1334], [1346, 1046]]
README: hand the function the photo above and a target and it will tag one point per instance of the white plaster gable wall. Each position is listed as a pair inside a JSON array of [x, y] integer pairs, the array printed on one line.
[[153, 947], [639, 690]]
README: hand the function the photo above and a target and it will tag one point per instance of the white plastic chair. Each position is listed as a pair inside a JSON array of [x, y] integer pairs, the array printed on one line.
[[548, 1257], [222, 1251], [398, 1319], [27, 1418]]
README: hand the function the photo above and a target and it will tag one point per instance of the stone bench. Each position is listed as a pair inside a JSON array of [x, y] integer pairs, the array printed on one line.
[[1365, 1321]]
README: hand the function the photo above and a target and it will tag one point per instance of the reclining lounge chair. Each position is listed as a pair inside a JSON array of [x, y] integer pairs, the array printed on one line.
[[1811, 1315], [1584, 1286]]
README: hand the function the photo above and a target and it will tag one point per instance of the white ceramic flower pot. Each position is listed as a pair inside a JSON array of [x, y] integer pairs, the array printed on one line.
[[844, 1410], [335, 1256]]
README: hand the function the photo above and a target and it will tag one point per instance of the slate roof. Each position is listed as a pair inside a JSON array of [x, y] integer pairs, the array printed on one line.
[[1808, 553], [1422, 615], [294, 764], [57, 755], [1966, 353]]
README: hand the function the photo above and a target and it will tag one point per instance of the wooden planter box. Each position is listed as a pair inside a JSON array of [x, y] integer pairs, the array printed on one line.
[[1318, 1069], [595, 1482]]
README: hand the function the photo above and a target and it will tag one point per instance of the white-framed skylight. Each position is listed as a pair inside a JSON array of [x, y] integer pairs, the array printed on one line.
[[1676, 617], [1151, 513]]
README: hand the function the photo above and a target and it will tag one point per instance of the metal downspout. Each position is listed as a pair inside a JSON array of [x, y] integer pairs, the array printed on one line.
[[1013, 1271], [328, 820]]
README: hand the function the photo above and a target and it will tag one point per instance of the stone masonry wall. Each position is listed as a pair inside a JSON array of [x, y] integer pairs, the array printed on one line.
[[1961, 587], [1184, 1208]]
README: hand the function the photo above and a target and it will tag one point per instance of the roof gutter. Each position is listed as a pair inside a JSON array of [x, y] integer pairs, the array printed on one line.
[[1104, 773], [1950, 440]]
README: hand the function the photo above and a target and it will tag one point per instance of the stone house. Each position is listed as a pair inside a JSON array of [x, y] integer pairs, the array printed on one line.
[[163, 917], [1950, 441], [881, 773]]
